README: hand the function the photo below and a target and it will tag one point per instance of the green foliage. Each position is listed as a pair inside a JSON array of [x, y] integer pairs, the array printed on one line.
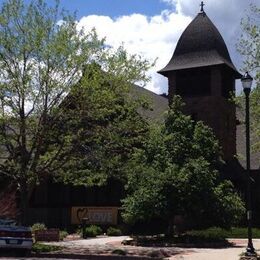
[[43, 248], [229, 206], [63, 234], [105, 128], [158, 254], [175, 174], [208, 235], [112, 231], [239, 232], [254, 114], [119, 252], [248, 44], [79, 231], [93, 231], [38, 227], [249, 48], [200, 237], [216, 232], [45, 61], [204, 236]]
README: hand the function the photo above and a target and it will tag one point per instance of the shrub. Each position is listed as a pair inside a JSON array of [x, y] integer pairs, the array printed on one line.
[[156, 254], [208, 235], [79, 231], [63, 234], [93, 231], [112, 231], [37, 227], [240, 232], [42, 248], [119, 252], [215, 232]]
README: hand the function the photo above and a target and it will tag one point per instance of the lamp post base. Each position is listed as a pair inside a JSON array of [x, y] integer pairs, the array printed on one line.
[[250, 251]]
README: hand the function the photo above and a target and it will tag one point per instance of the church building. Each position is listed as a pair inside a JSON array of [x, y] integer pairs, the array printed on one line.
[[202, 73]]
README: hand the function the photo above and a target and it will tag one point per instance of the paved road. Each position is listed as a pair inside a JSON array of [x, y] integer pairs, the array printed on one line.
[[31, 258], [19, 258]]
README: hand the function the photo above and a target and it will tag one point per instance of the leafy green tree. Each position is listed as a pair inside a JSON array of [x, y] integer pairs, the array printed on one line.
[[175, 174], [42, 56], [249, 48], [101, 117]]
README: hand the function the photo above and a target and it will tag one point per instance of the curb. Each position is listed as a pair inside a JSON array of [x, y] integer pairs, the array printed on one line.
[[92, 257]]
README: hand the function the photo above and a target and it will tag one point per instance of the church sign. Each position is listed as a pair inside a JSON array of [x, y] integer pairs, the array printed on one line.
[[94, 215]]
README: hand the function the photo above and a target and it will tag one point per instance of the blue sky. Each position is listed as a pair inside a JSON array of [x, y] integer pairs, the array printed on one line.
[[112, 8]]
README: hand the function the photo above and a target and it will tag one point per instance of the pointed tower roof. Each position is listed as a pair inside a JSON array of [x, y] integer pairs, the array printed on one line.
[[200, 45]]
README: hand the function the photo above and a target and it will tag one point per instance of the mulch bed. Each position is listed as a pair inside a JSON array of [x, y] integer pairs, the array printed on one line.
[[154, 243], [250, 258]]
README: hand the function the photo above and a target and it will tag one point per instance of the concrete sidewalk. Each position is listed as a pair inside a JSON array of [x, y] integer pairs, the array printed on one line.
[[106, 246], [231, 253]]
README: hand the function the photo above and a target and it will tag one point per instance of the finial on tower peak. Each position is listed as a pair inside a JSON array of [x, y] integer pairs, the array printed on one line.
[[202, 7]]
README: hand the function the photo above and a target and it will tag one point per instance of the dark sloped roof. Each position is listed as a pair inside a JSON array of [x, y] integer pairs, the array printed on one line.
[[200, 45], [158, 105]]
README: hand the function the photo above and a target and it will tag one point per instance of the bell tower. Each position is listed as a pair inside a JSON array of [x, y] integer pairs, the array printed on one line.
[[202, 73]]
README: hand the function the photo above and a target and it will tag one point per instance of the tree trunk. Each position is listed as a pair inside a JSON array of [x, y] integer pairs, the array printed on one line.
[[24, 204], [170, 229]]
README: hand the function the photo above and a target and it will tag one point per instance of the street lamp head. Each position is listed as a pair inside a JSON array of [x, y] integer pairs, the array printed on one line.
[[247, 82]]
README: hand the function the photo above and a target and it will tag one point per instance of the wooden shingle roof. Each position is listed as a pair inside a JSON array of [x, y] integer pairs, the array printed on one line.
[[200, 45]]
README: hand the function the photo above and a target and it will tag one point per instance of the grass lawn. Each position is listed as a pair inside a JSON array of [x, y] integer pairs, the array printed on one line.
[[43, 248]]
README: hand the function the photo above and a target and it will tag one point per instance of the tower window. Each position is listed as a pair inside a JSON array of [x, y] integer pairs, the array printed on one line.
[[195, 82], [228, 82]]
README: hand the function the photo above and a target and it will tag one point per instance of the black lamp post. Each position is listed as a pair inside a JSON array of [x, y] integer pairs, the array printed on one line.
[[247, 83]]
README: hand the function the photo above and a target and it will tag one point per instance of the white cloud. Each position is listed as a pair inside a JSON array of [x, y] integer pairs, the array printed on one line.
[[156, 36], [152, 37], [226, 15]]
